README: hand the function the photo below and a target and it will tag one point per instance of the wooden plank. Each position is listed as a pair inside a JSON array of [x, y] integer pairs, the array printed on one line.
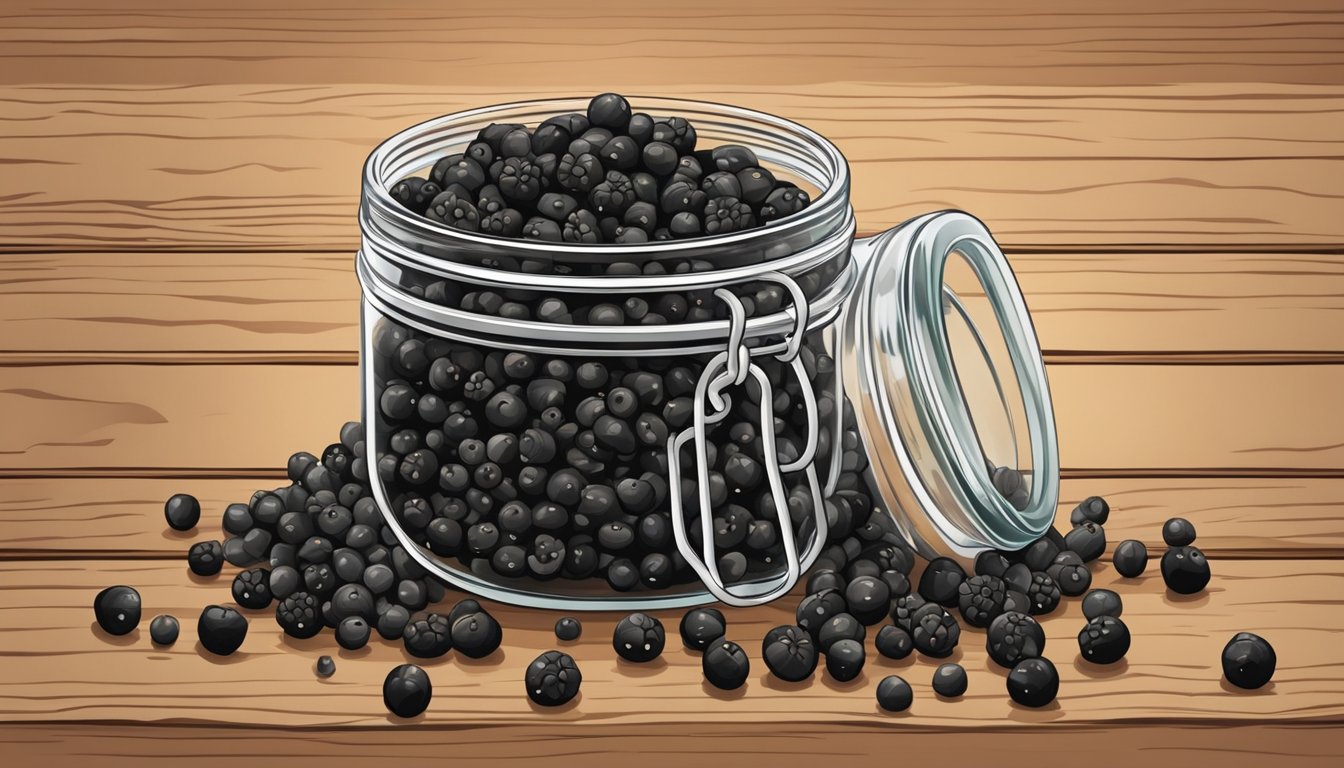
[[607, 746], [123, 517], [1152, 167], [1027, 41], [185, 419], [59, 669], [304, 306]]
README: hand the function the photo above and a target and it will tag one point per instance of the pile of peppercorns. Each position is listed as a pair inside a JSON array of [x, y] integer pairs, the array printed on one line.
[[611, 175]]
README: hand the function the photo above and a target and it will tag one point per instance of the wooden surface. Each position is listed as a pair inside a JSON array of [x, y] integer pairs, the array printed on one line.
[[178, 313]]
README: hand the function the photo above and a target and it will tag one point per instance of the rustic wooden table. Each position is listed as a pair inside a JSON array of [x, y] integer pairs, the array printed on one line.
[[177, 224]]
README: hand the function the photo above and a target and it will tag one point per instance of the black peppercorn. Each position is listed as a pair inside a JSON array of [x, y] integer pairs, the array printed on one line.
[[638, 638], [117, 610], [552, 679], [1248, 661]]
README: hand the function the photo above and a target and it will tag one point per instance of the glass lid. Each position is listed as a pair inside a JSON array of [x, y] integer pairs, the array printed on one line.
[[949, 389]]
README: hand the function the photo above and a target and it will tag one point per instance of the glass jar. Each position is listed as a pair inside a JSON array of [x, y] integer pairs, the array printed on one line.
[[518, 452]]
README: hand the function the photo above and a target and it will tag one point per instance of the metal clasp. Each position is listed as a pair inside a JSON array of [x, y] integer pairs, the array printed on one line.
[[731, 368]]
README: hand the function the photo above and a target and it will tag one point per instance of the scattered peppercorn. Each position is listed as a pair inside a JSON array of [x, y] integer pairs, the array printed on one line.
[[1248, 661], [164, 629], [1185, 570], [1105, 640], [1012, 637], [1131, 558], [552, 679], [894, 694], [182, 511], [725, 664], [639, 638], [407, 691], [117, 610], [702, 626], [221, 630], [568, 629], [1033, 682], [844, 661], [949, 680], [893, 642], [789, 653], [1178, 532]]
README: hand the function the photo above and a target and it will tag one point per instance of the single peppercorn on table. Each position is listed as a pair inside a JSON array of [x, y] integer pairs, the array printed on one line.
[[179, 313]]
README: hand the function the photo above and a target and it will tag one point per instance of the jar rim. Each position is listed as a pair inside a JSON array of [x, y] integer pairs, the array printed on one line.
[[797, 147]]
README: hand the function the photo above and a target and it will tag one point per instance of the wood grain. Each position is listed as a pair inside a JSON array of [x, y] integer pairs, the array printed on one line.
[[61, 670], [122, 518], [304, 306], [194, 419], [1235, 166], [701, 41], [125, 745]]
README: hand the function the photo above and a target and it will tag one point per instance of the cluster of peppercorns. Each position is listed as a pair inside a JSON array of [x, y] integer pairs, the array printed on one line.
[[832, 621], [1002, 596], [524, 465], [611, 175]]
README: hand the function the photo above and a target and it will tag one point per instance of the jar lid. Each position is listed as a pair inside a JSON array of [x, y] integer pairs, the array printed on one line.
[[942, 367]]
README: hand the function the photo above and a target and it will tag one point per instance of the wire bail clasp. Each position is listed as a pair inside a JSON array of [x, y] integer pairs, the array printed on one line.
[[732, 367]]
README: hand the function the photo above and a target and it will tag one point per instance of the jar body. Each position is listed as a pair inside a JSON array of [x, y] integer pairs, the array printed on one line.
[[665, 424], [542, 478]]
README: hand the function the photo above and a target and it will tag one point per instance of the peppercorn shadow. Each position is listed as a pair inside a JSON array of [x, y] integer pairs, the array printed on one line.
[[398, 720], [722, 695], [1197, 600], [931, 661], [307, 644], [640, 668], [492, 659], [130, 638], [845, 687], [568, 706], [1100, 671], [196, 578], [769, 681], [355, 653], [1024, 714], [237, 657], [1265, 690]]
